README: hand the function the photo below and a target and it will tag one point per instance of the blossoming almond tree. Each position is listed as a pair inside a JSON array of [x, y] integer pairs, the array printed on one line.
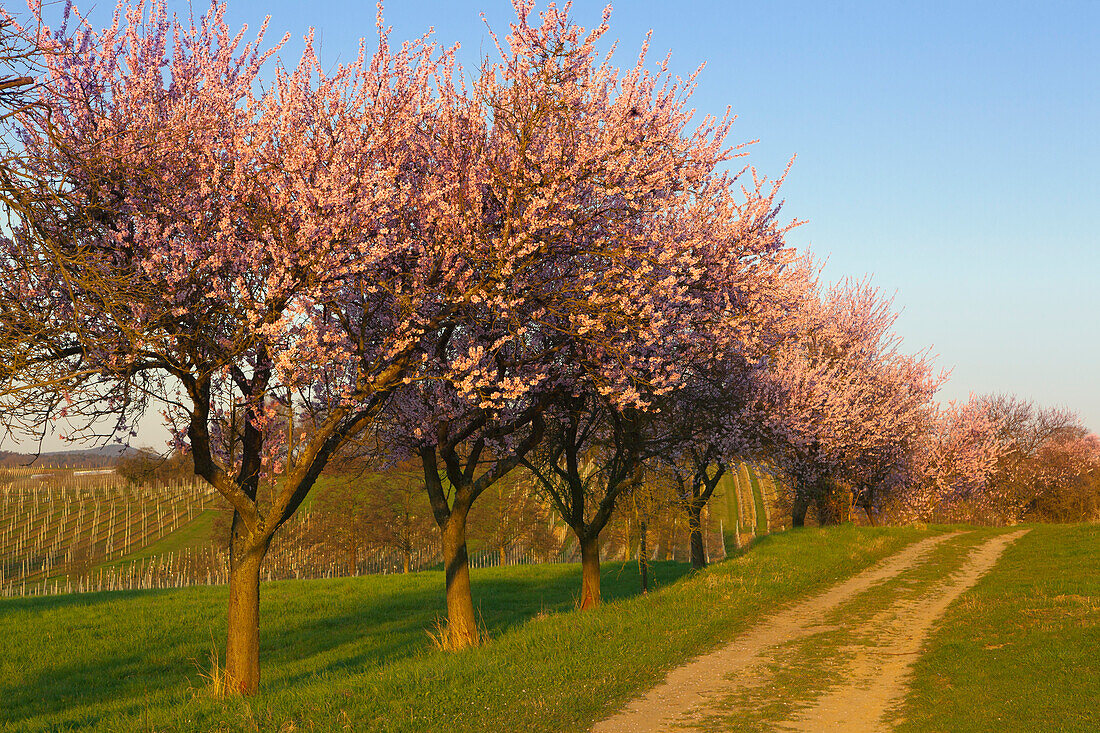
[[238, 255], [593, 454], [18, 60], [716, 416], [842, 398], [1067, 488], [994, 458], [603, 222], [603, 219], [707, 424], [952, 464]]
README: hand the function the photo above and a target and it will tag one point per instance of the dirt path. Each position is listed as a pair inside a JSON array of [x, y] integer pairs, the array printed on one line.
[[672, 703], [873, 669], [877, 674]]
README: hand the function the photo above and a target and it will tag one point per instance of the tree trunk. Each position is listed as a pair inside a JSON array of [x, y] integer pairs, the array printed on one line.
[[242, 650], [824, 515], [643, 557], [798, 511], [870, 514], [590, 572], [695, 528], [461, 624]]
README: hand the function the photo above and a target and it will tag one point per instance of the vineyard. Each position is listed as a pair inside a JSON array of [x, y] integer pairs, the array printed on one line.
[[73, 531]]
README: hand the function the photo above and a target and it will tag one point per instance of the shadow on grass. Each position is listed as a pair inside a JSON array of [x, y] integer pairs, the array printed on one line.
[[118, 650], [384, 629], [39, 604], [119, 684]]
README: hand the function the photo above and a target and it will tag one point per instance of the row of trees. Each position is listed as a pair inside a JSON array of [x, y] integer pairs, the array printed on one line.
[[998, 459], [544, 265], [354, 515]]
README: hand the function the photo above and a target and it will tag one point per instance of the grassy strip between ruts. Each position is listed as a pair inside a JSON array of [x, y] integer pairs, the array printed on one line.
[[1019, 651], [795, 674], [351, 654]]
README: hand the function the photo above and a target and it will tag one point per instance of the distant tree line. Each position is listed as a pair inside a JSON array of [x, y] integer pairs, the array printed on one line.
[[103, 458]]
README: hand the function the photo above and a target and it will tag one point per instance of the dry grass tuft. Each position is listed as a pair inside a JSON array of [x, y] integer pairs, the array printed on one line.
[[217, 682], [445, 639]]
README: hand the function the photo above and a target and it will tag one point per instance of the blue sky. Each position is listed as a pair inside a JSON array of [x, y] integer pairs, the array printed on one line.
[[949, 149]]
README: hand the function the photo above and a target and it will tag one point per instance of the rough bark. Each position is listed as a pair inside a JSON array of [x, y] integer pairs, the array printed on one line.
[[806, 493], [462, 629], [590, 572], [242, 650]]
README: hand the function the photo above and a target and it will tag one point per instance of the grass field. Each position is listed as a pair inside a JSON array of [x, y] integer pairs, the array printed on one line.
[[352, 654], [1016, 652], [1021, 650]]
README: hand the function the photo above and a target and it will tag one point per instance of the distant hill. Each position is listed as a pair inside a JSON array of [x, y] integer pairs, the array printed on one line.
[[102, 457]]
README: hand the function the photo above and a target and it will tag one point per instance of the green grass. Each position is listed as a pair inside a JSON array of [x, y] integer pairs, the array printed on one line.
[[1019, 651], [193, 535], [352, 654]]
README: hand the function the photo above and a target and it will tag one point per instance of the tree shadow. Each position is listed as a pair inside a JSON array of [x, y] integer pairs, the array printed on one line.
[[382, 630], [36, 604], [309, 629]]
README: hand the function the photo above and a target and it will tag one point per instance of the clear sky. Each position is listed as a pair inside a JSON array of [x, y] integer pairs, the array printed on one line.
[[949, 149]]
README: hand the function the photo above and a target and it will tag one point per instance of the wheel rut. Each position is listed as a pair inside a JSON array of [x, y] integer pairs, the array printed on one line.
[[873, 677], [877, 675]]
